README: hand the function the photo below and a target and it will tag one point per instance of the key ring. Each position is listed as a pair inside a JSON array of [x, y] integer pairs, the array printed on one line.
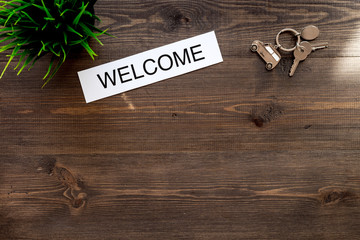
[[296, 34]]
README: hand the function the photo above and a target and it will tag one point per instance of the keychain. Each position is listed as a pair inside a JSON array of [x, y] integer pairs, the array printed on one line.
[[301, 50], [268, 53]]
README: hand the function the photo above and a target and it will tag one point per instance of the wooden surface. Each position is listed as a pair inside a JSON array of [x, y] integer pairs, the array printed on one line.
[[227, 152]]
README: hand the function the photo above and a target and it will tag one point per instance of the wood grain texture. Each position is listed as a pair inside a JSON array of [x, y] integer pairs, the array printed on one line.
[[227, 152]]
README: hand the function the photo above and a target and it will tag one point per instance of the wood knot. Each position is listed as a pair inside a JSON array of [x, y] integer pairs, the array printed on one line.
[[334, 196], [46, 165], [74, 188], [79, 200], [265, 114], [174, 19]]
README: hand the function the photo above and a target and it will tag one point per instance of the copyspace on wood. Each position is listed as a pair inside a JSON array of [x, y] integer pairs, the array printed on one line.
[[232, 151]]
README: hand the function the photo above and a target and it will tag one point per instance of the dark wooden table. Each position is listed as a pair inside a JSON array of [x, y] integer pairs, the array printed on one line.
[[232, 151]]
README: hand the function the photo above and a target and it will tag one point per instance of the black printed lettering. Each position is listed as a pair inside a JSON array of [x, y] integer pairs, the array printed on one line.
[[134, 73], [145, 69], [150, 66], [107, 76], [161, 66], [194, 53], [123, 74], [182, 61]]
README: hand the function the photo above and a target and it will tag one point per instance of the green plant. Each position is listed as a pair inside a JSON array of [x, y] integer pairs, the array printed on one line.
[[33, 28]]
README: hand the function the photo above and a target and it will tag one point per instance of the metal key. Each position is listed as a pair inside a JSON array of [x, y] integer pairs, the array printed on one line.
[[317, 46], [300, 54]]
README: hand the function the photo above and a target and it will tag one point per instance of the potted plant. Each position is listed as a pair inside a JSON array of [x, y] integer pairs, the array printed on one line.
[[31, 29]]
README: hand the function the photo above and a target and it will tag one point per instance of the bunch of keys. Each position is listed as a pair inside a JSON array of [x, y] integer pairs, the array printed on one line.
[[301, 50]]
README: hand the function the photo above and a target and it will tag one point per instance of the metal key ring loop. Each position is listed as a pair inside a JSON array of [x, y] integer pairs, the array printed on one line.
[[296, 34]]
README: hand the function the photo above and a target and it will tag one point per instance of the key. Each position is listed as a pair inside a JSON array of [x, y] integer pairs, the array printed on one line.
[[310, 32], [300, 54], [317, 46]]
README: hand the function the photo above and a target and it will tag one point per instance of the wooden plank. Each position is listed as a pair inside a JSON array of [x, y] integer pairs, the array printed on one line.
[[202, 195], [210, 111]]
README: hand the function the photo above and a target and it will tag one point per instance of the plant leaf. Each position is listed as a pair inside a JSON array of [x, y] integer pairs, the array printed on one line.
[[85, 44], [73, 30], [46, 10], [16, 49], [77, 19]]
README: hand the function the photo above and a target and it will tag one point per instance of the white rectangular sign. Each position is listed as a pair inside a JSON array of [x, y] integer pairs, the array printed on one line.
[[149, 67]]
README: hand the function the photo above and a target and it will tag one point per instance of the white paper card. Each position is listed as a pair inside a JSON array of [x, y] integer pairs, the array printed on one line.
[[149, 67]]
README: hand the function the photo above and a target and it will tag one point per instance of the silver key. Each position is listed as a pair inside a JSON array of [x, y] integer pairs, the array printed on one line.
[[317, 46], [300, 54]]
